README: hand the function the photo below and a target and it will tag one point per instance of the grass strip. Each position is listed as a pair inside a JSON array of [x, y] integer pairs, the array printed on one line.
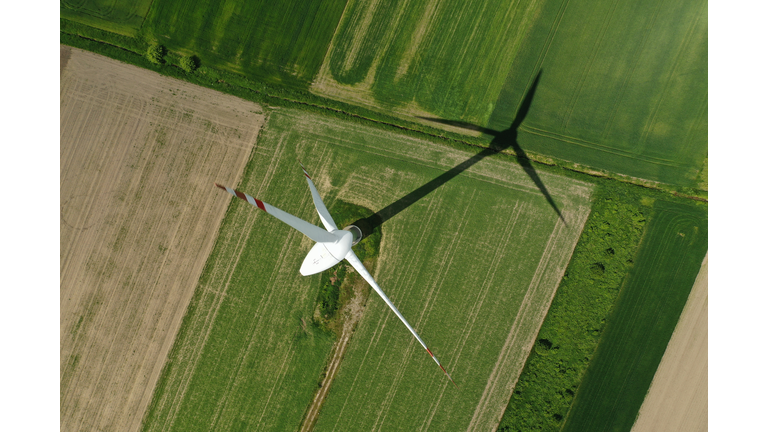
[[577, 316], [643, 320]]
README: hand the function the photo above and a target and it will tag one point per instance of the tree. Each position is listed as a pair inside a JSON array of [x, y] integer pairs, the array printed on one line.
[[188, 63], [155, 53]]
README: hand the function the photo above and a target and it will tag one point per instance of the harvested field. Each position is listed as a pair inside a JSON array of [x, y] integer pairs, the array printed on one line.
[[139, 215], [677, 399]]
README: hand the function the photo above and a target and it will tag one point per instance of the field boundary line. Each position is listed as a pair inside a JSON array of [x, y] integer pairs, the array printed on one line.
[[595, 146]]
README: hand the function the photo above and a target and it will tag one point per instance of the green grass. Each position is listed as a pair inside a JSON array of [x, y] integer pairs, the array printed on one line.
[[449, 59], [242, 358], [623, 87], [569, 335], [453, 263], [275, 42], [119, 16], [642, 322]]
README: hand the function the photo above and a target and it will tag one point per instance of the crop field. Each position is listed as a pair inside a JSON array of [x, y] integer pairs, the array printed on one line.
[[279, 42], [677, 399], [452, 261], [139, 153], [119, 16], [445, 59], [623, 88], [643, 320]]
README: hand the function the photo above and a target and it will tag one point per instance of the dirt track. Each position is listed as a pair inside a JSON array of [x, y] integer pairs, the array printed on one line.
[[139, 214], [677, 400]]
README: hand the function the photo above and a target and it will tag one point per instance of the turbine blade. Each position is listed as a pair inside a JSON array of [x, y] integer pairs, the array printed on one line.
[[312, 231], [325, 217], [352, 259]]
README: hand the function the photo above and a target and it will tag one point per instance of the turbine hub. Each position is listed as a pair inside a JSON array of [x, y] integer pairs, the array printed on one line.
[[357, 233]]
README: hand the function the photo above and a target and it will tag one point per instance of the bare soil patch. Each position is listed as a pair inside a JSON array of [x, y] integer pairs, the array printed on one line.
[[139, 216], [677, 399]]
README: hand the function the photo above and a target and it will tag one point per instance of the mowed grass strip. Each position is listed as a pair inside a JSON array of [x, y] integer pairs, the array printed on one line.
[[623, 87], [119, 16], [645, 315], [448, 59], [276, 42]]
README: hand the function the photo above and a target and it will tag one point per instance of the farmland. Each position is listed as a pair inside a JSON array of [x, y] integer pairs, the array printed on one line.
[[677, 399], [279, 42], [623, 87], [445, 59], [390, 105], [211, 379], [641, 324], [138, 220], [118, 16]]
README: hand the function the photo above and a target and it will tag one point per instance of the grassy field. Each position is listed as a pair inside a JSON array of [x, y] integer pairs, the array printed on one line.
[[642, 322], [277, 42], [243, 359], [445, 59], [623, 87], [117, 16], [575, 322], [453, 264]]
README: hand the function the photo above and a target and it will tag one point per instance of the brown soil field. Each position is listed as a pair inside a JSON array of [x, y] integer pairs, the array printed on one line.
[[139, 153], [677, 399]]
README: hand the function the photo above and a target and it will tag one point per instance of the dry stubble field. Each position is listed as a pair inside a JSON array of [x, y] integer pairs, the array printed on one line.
[[139, 215]]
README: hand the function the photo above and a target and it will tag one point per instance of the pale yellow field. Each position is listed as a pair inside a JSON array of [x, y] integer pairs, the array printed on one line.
[[139, 215], [677, 400]]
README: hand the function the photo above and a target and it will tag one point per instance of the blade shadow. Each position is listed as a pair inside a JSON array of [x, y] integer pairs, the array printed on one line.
[[502, 140]]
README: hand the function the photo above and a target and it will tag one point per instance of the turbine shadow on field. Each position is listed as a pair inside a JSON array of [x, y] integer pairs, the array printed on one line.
[[502, 141]]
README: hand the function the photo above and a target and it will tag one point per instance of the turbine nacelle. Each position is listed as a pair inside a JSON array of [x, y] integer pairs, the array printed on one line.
[[325, 255]]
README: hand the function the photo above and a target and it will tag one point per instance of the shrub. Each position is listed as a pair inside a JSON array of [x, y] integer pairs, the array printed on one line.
[[155, 53], [189, 63]]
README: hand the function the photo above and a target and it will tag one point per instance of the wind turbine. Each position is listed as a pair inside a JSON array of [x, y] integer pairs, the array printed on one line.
[[333, 245]]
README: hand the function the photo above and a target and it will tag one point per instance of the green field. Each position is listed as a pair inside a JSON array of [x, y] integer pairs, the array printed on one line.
[[472, 265], [644, 317], [452, 262], [277, 42], [117, 16], [576, 320], [472, 251], [247, 353], [623, 87], [446, 59]]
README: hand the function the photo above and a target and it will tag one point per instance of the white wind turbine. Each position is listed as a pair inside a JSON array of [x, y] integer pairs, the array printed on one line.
[[333, 245]]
